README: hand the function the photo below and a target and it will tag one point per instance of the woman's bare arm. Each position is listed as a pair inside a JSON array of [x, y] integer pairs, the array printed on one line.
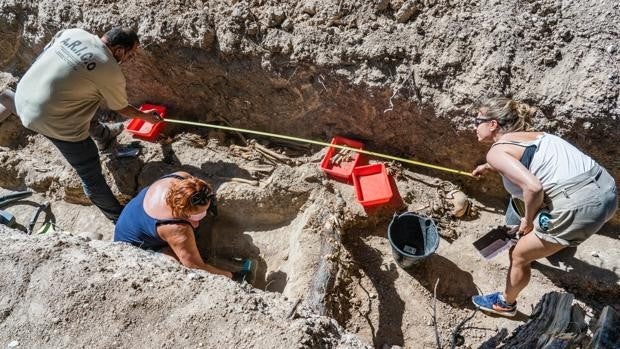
[[514, 171], [182, 242]]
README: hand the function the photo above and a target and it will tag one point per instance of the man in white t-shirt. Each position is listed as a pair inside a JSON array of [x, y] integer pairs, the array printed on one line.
[[60, 93]]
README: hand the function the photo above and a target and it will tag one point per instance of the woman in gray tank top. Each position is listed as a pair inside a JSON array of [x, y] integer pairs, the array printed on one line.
[[565, 196]]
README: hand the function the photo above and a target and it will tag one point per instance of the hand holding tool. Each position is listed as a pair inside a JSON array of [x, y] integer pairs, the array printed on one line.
[[497, 240]]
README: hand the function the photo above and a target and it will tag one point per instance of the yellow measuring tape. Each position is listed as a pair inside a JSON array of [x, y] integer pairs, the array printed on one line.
[[310, 141]]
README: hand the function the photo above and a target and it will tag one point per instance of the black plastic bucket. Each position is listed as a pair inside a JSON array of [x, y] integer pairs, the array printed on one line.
[[413, 238]]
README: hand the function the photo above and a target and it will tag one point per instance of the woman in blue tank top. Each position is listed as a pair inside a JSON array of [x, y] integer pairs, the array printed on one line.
[[566, 195], [163, 216]]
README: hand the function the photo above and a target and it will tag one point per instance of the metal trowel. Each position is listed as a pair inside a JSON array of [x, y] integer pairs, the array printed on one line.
[[243, 270], [497, 240]]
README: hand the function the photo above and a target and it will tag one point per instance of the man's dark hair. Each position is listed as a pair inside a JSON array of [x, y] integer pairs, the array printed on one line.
[[124, 37]]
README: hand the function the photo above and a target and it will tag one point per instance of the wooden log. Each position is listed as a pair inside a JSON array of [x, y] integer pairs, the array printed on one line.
[[606, 334], [555, 323]]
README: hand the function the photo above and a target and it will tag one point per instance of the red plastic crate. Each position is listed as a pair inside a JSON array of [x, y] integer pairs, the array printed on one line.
[[144, 129], [344, 169], [372, 185]]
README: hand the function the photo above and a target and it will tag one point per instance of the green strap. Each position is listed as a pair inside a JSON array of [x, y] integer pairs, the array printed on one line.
[[310, 141]]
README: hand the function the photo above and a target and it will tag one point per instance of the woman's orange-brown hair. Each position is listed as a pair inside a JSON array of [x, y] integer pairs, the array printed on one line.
[[180, 193]]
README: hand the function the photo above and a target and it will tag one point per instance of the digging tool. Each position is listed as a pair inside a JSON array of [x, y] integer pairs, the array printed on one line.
[[243, 270], [7, 218], [497, 240], [35, 216], [247, 272]]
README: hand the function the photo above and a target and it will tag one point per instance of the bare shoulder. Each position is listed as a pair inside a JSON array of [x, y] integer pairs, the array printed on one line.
[[176, 232], [503, 151], [521, 136], [155, 200]]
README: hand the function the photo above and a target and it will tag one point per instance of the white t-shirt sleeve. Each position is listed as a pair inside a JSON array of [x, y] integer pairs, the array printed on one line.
[[113, 91]]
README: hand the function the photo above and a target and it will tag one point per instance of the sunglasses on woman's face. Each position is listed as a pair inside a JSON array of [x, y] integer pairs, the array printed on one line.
[[201, 198], [480, 121]]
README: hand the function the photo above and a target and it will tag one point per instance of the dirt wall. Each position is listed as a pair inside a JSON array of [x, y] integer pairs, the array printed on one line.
[[398, 74]]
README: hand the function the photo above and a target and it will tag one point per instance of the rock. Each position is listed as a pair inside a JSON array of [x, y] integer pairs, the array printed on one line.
[[288, 25], [194, 276], [309, 8], [239, 12], [276, 17], [382, 5], [611, 49], [408, 10], [252, 29], [13, 344], [89, 235]]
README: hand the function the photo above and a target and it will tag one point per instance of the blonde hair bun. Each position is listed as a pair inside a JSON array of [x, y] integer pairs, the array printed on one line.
[[525, 111], [511, 115]]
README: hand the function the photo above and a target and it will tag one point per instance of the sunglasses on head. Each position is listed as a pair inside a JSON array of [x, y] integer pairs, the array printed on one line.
[[201, 197]]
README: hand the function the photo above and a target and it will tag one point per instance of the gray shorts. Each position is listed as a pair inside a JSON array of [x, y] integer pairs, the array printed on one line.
[[577, 208]]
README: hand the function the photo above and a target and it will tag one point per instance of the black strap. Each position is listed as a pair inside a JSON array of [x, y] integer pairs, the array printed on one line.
[[171, 221], [520, 144], [528, 152], [172, 175]]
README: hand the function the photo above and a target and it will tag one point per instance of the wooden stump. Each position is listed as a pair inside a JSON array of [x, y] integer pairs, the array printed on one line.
[[606, 334], [555, 323]]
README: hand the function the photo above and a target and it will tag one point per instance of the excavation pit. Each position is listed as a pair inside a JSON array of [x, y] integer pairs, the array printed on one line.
[[398, 75], [310, 239]]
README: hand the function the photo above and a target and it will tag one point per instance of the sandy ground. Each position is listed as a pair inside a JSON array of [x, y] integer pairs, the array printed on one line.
[[311, 240]]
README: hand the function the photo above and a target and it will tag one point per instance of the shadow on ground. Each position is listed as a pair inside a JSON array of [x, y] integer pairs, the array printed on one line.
[[591, 284], [391, 307], [455, 287]]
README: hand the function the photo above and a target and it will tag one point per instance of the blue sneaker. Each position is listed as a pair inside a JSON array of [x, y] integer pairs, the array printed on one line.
[[494, 303]]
